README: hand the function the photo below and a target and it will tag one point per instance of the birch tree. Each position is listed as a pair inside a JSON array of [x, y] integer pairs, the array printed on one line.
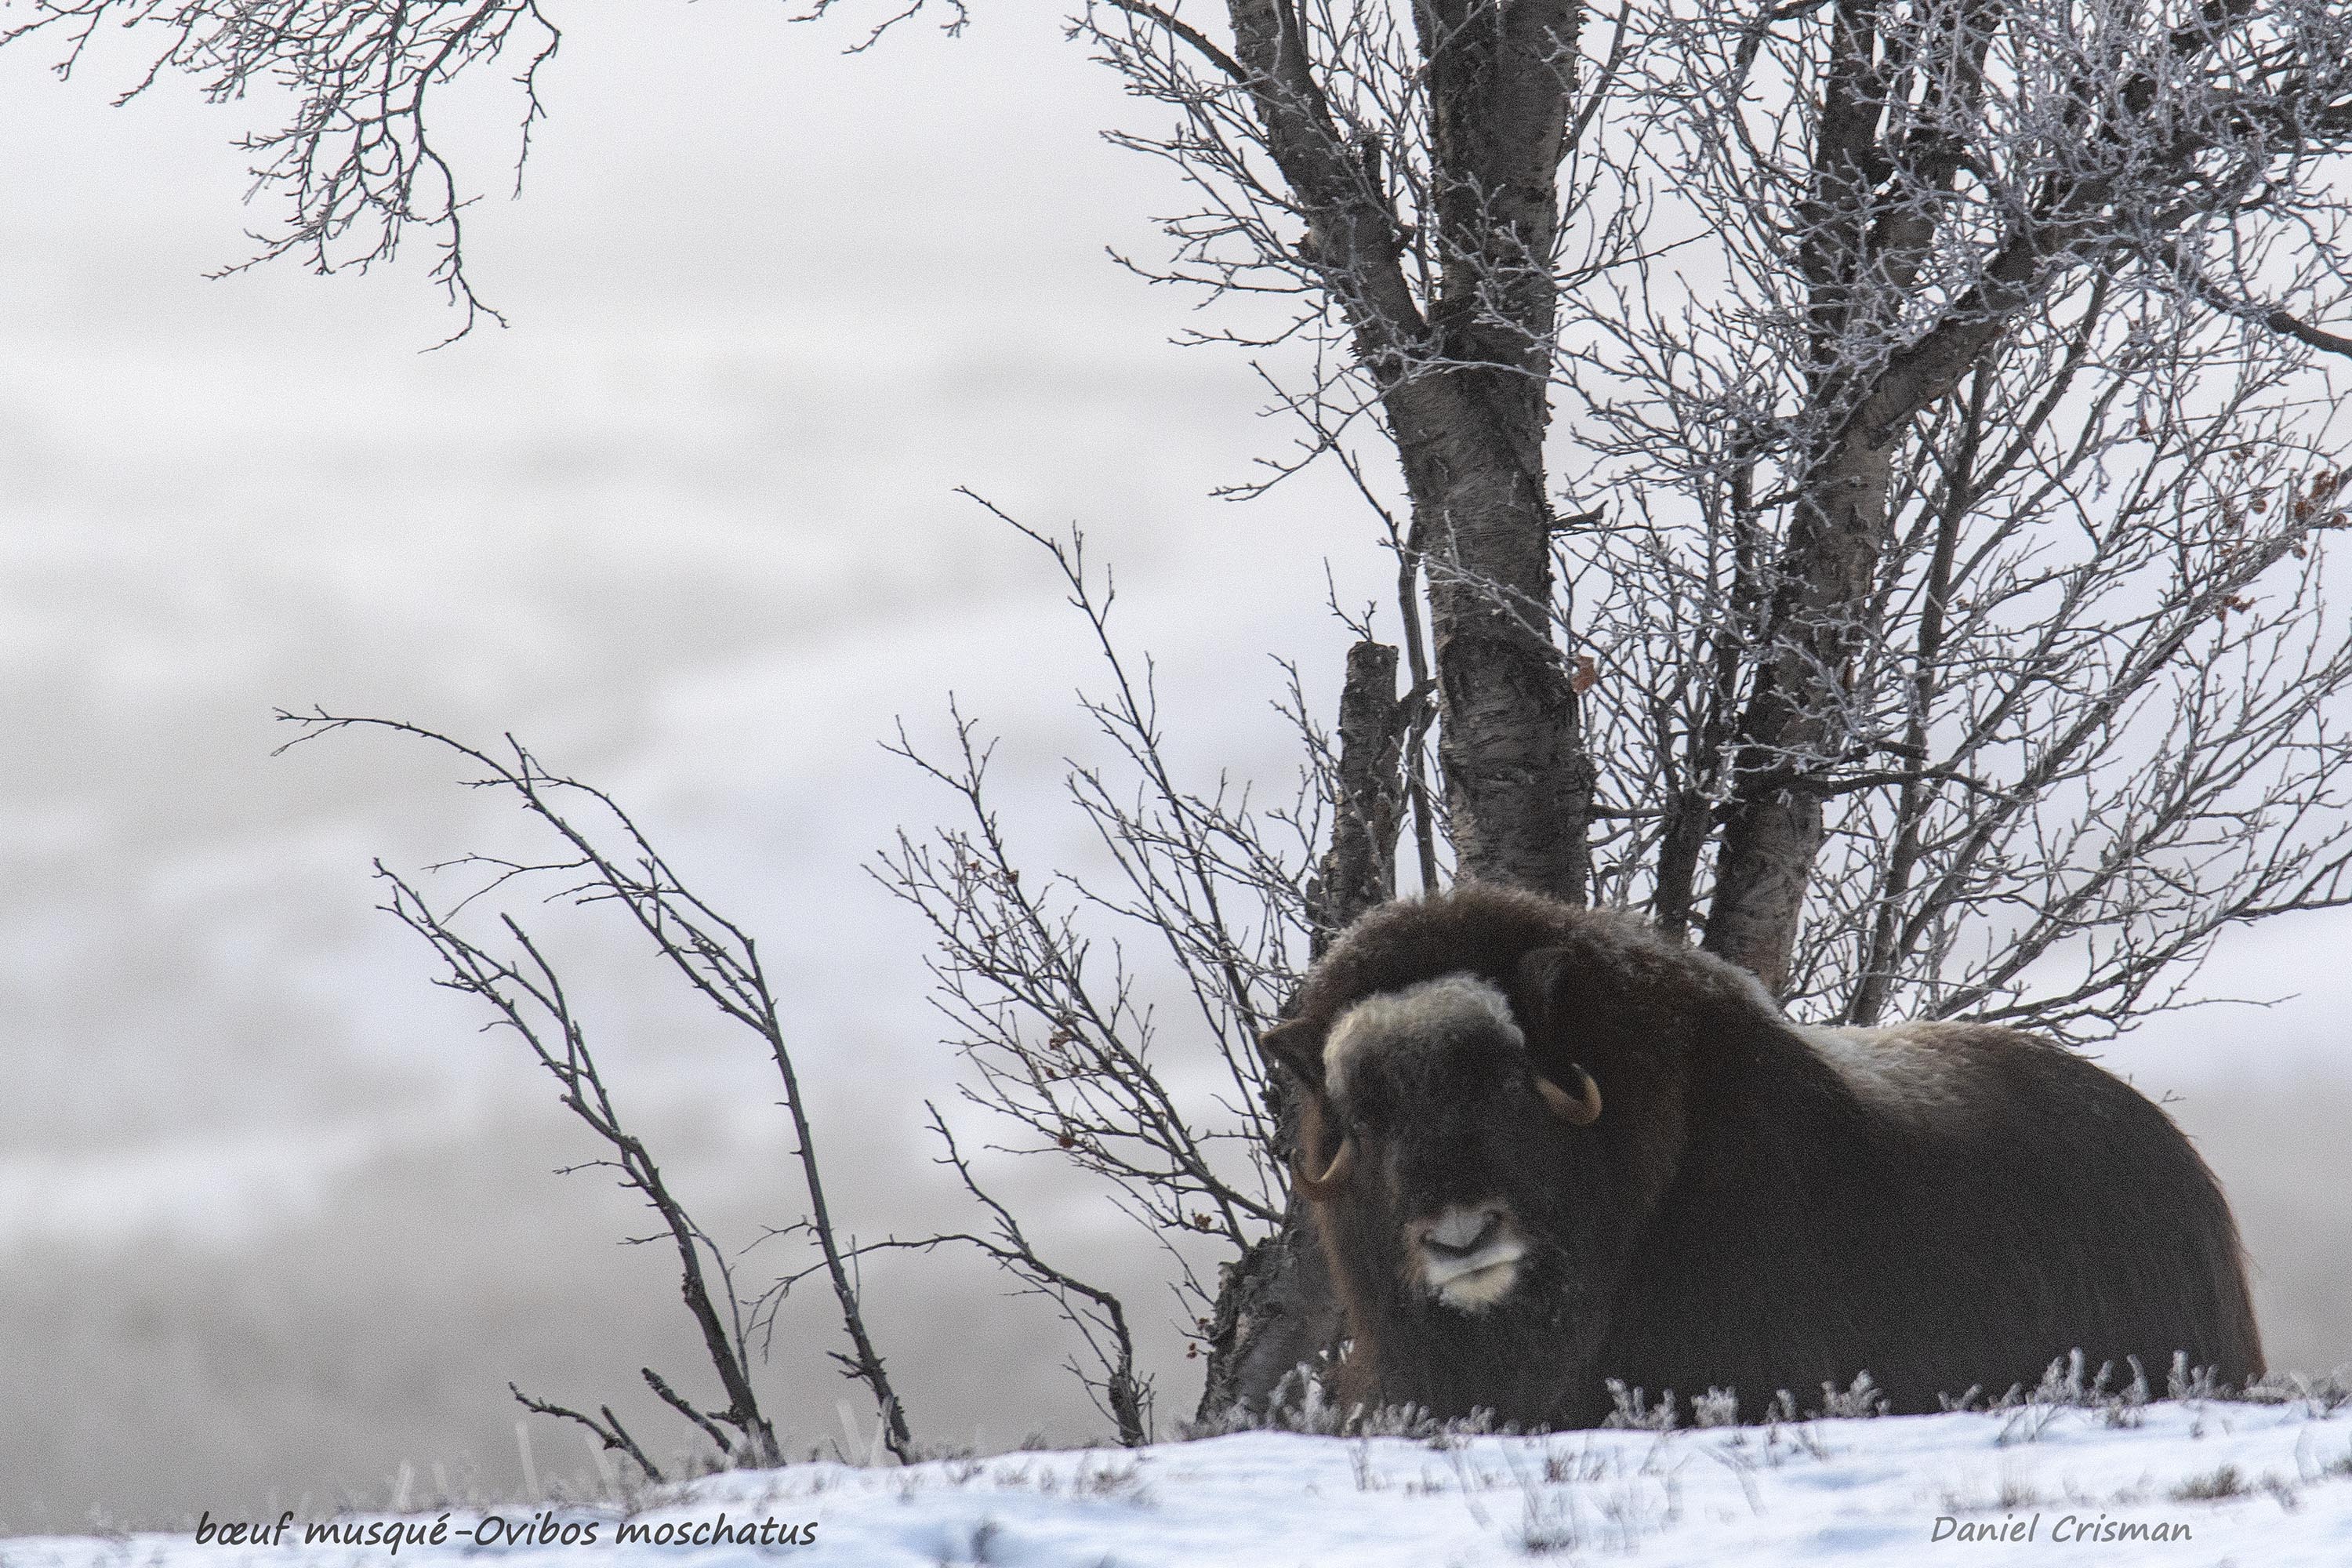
[[1996, 404]]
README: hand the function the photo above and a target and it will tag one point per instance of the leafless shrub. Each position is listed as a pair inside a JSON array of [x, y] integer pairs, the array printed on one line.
[[1783, 1430], [2185, 1382], [1630, 1411], [1301, 1402], [1716, 1407], [2063, 1388], [2012, 1494], [1858, 1401], [2028, 1422], [1058, 1045], [603, 857], [1549, 1524], [2218, 1486], [1109, 1373]]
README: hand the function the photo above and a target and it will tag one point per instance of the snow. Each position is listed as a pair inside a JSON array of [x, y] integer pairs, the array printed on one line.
[[2201, 1482]]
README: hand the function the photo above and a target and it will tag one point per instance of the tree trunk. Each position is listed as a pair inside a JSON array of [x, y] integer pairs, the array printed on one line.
[[1276, 1312], [1359, 871], [1462, 363], [1796, 727], [1517, 781], [1471, 436]]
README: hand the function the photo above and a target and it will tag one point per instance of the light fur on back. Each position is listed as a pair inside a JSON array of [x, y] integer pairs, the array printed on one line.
[[1913, 1069]]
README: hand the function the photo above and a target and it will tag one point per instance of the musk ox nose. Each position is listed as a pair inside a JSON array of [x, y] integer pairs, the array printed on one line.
[[1467, 1256]]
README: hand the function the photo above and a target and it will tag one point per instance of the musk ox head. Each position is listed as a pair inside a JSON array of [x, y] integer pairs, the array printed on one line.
[[1489, 1109], [1427, 1120]]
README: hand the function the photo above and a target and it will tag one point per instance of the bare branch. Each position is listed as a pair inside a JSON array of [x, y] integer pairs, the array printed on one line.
[[717, 958], [609, 1432]]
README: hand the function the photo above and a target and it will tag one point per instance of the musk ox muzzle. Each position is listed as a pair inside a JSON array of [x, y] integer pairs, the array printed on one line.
[[1466, 1258]]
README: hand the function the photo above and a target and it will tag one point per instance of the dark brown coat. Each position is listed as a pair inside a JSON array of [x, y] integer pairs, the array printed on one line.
[[1758, 1207]]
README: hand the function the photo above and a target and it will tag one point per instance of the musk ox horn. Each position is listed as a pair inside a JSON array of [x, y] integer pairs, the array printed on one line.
[[1576, 1110], [1321, 1188]]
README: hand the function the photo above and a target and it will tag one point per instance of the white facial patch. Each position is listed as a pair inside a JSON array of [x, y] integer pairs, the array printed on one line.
[[1416, 1015], [1469, 1259]]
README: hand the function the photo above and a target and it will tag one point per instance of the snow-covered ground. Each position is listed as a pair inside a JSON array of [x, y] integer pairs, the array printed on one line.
[[2193, 1482]]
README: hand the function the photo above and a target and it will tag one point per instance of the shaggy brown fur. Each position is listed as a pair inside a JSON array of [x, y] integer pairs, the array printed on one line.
[[1760, 1207]]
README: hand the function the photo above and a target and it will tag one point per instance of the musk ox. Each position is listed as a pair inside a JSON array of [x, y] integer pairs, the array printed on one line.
[[1548, 1147]]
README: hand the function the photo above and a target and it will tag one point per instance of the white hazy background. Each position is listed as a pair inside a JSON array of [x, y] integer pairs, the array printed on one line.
[[274, 1218]]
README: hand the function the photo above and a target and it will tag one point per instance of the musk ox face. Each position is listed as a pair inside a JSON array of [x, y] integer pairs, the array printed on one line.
[[1430, 1140]]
